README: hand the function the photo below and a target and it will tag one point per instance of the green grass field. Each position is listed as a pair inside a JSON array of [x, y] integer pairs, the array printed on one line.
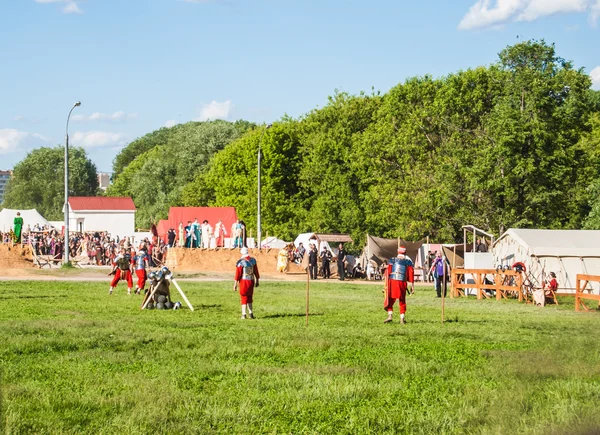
[[75, 360]]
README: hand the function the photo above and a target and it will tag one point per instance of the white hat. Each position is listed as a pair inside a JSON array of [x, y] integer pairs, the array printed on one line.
[[244, 251]]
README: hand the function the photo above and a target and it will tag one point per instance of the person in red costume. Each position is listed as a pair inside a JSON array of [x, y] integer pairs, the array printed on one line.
[[551, 286], [399, 272], [122, 270], [246, 275], [140, 261]]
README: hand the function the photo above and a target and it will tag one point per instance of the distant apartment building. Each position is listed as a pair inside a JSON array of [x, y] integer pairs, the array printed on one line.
[[4, 177], [103, 180]]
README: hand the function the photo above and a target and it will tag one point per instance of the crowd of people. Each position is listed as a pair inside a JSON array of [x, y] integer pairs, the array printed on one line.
[[93, 248], [205, 236], [319, 263]]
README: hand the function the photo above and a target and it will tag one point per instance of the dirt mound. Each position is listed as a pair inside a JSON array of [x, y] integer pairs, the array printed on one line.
[[15, 257], [223, 260]]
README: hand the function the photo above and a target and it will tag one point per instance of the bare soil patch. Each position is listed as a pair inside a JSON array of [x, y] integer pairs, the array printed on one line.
[[15, 257], [224, 260]]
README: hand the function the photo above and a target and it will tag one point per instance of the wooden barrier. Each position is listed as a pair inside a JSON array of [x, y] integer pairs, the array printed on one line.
[[505, 282], [579, 294]]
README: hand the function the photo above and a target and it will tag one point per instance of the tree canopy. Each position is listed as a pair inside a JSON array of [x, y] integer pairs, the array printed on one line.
[[38, 180], [161, 163], [512, 144], [507, 145]]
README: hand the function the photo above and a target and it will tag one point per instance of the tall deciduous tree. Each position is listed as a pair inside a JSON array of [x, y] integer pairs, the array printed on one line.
[[170, 159], [38, 180], [232, 179]]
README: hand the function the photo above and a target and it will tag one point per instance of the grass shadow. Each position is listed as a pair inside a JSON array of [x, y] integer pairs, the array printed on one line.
[[275, 316], [32, 297]]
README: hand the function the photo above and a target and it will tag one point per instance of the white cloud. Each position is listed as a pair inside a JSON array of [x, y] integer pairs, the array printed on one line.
[[13, 140], [485, 14], [481, 15], [95, 139], [71, 6], [171, 123], [215, 110], [595, 13], [595, 75], [29, 119], [540, 8], [118, 116]]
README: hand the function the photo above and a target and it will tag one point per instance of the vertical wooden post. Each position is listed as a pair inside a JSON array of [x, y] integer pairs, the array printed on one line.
[[577, 293], [307, 293], [478, 282], [498, 281]]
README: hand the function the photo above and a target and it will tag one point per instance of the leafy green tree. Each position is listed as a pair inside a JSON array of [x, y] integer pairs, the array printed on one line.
[[139, 146], [232, 179], [536, 126], [330, 186], [590, 146], [155, 177], [38, 180]]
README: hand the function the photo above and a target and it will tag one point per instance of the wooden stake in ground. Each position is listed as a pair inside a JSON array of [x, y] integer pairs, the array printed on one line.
[[306, 268], [307, 294]]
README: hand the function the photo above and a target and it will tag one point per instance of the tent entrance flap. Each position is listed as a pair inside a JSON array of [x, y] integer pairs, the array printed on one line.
[[381, 250]]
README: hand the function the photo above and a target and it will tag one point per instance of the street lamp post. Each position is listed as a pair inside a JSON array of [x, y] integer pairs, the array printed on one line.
[[258, 228], [66, 243]]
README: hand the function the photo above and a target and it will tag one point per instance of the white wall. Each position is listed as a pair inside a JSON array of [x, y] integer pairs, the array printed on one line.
[[117, 223]]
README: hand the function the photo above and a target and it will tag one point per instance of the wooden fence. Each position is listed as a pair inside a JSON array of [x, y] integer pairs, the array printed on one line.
[[505, 283], [579, 288]]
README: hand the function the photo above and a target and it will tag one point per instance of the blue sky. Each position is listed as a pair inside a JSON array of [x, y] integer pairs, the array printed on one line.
[[138, 65]]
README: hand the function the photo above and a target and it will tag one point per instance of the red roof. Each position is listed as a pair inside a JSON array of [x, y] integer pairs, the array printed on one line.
[[101, 203]]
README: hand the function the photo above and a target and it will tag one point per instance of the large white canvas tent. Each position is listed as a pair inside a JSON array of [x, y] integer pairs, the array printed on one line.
[[30, 218], [564, 252]]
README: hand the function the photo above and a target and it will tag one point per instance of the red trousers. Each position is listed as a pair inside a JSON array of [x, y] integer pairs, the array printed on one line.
[[122, 274], [396, 290], [141, 275], [246, 291]]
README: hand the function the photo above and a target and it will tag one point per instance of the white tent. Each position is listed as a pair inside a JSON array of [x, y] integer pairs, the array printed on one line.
[[30, 218], [564, 252], [273, 242]]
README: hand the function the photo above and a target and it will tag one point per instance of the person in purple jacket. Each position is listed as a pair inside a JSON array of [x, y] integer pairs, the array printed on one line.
[[440, 269]]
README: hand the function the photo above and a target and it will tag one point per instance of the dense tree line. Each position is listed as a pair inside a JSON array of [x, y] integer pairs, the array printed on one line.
[[513, 144], [509, 145]]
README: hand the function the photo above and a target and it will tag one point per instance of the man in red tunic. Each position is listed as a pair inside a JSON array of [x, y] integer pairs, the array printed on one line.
[[140, 261], [122, 270], [246, 275], [399, 272]]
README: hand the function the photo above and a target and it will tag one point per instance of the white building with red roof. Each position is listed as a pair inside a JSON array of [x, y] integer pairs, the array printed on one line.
[[116, 215]]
